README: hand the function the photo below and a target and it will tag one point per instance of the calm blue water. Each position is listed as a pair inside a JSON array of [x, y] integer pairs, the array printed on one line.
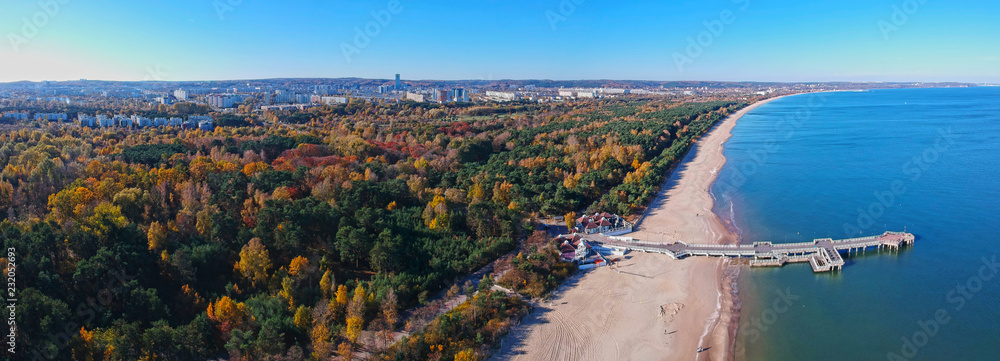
[[859, 163]]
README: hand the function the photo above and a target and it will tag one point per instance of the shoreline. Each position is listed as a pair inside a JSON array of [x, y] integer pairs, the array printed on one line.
[[649, 306], [721, 328], [724, 326]]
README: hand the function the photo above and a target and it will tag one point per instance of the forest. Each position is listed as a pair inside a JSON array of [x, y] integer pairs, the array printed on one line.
[[313, 234]]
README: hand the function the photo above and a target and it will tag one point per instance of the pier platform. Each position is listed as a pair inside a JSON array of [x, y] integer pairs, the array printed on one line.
[[822, 254]]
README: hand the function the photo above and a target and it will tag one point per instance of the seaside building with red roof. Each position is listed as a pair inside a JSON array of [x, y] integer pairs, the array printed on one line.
[[572, 247], [603, 223]]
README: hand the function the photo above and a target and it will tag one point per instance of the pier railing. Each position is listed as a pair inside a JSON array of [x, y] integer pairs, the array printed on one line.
[[822, 254]]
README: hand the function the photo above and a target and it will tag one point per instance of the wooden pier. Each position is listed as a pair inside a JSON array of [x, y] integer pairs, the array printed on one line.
[[822, 254]]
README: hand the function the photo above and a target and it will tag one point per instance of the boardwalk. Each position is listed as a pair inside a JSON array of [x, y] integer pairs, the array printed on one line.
[[822, 254]]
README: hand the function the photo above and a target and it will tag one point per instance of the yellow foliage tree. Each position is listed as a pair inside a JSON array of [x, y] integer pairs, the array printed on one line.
[[68, 203], [501, 192], [302, 318], [288, 291], [345, 351], [357, 306], [157, 236], [436, 214], [252, 168], [353, 330], [341, 296], [255, 261], [569, 182], [477, 193], [421, 163], [106, 217], [320, 336], [466, 355], [298, 266], [570, 219], [227, 313], [326, 284], [355, 314], [203, 219], [282, 193]]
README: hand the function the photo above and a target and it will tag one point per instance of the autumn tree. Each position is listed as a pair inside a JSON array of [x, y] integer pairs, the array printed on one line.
[[320, 334], [501, 192], [320, 337], [436, 215], [390, 308], [466, 355], [288, 291], [106, 217], [70, 203], [355, 315], [156, 236], [203, 220], [227, 314], [6, 198], [302, 320], [570, 219], [341, 296], [255, 261], [130, 201], [354, 327], [345, 351], [298, 266], [327, 284]]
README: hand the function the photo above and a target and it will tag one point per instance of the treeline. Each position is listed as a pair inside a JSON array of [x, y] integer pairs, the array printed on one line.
[[306, 241]]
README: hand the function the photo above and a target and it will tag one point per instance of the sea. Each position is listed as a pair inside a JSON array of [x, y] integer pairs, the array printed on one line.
[[847, 164]]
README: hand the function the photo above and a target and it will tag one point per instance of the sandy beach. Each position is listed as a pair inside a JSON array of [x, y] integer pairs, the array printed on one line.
[[653, 307]]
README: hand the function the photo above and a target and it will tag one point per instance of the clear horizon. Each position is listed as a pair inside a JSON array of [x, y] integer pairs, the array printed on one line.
[[727, 40], [517, 80]]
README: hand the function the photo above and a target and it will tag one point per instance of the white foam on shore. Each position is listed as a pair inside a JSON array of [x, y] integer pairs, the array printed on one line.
[[710, 323]]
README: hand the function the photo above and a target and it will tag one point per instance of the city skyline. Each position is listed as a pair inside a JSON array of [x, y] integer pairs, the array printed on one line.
[[740, 40]]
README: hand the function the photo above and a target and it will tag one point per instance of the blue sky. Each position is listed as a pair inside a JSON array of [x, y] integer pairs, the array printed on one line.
[[776, 40]]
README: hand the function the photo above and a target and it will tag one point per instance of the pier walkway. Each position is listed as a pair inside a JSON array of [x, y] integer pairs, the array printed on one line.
[[822, 254]]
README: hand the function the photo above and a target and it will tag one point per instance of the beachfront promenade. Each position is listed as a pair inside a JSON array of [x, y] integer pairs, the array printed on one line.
[[822, 254]]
